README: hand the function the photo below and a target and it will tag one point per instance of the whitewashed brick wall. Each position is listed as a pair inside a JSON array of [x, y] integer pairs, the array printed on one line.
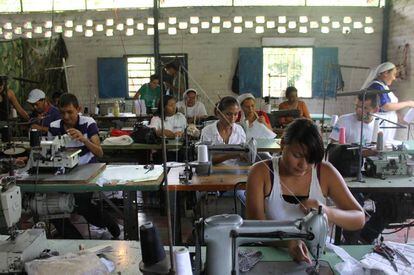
[[212, 57], [402, 32]]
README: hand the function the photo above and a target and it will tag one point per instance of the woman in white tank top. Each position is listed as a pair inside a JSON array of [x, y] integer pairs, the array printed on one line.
[[287, 187]]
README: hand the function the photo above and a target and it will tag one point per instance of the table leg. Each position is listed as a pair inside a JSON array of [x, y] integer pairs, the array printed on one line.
[[338, 234], [175, 204], [130, 215]]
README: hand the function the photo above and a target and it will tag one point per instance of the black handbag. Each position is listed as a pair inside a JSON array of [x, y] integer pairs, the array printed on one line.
[[144, 134], [344, 159]]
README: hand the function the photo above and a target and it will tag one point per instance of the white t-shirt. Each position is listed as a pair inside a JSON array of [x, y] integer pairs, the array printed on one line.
[[353, 129], [174, 123], [194, 111], [210, 134]]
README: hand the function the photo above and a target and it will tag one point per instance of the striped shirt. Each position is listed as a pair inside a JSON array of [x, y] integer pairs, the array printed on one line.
[[87, 126]]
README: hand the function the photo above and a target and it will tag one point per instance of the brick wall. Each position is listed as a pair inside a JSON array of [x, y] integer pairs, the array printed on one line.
[[212, 57], [400, 33]]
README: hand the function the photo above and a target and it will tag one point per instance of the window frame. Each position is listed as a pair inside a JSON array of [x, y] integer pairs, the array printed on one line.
[[163, 57], [311, 70]]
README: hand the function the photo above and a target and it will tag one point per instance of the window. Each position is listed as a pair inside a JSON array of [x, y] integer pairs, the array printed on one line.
[[140, 68], [284, 67], [139, 71]]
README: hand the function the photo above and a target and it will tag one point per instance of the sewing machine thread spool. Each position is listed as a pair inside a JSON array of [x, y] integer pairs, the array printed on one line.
[[34, 138], [151, 246], [202, 153], [342, 139], [375, 130], [5, 134], [380, 141], [182, 261]]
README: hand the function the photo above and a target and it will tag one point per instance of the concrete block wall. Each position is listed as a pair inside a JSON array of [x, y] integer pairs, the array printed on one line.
[[212, 57], [400, 33]]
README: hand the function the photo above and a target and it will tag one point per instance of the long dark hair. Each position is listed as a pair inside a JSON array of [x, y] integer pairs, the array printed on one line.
[[304, 132]]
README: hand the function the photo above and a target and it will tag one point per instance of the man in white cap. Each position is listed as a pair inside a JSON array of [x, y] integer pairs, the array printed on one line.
[[44, 113], [192, 108]]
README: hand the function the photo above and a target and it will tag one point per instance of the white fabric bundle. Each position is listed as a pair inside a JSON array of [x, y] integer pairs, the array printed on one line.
[[121, 140], [69, 264]]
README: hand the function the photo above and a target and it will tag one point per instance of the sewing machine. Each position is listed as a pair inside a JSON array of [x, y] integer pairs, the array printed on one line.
[[22, 246], [249, 148], [398, 161], [53, 154], [223, 234]]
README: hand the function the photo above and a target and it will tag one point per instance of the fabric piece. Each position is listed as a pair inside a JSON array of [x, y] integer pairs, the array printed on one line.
[[121, 174], [374, 261], [257, 130], [276, 208], [120, 140], [27, 57], [39, 55], [352, 129], [69, 264]]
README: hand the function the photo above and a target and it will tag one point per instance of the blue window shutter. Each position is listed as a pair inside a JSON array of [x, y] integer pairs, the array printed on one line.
[[251, 71], [112, 77], [324, 72]]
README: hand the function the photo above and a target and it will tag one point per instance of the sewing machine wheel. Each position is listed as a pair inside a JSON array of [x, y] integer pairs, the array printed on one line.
[[14, 151]]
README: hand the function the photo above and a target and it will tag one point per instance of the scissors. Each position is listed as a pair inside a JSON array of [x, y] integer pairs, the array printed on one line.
[[149, 167], [385, 252], [396, 252]]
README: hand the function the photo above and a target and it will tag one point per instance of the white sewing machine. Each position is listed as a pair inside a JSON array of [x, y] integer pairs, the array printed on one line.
[[21, 246], [223, 235], [53, 154], [249, 148]]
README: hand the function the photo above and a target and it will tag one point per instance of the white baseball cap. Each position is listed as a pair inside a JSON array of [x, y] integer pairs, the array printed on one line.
[[36, 95], [189, 90]]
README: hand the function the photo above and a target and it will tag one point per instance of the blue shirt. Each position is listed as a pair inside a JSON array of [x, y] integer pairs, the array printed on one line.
[[87, 126], [51, 115], [383, 98]]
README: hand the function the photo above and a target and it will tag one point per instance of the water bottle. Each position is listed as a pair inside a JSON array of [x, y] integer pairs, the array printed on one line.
[[116, 109]]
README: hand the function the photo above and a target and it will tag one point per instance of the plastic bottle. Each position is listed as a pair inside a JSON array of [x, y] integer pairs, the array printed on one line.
[[116, 109]]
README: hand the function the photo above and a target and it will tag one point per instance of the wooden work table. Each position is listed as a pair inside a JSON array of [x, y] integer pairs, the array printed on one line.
[[72, 183], [127, 255], [223, 178]]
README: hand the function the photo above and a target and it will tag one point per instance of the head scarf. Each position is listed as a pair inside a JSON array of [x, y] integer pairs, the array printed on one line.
[[243, 97], [374, 73]]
